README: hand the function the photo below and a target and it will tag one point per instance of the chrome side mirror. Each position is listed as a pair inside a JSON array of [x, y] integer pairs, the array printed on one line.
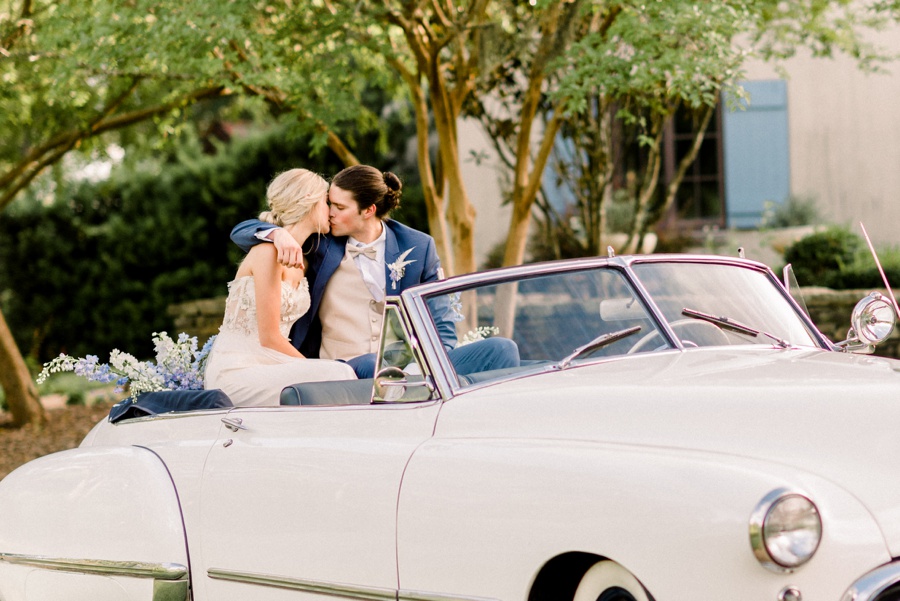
[[392, 386], [871, 322]]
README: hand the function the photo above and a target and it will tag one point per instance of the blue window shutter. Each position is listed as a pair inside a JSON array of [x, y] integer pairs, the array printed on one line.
[[756, 153]]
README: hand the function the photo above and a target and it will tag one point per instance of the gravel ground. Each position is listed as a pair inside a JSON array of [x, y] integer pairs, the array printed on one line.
[[66, 427]]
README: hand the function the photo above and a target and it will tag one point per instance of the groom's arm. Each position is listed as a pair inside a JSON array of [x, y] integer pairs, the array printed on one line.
[[440, 307], [244, 233], [248, 234]]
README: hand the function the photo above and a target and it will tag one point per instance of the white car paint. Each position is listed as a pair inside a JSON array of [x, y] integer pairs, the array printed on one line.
[[654, 460]]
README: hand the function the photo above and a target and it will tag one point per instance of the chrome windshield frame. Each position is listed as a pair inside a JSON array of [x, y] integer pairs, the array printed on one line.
[[817, 336], [414, 302]]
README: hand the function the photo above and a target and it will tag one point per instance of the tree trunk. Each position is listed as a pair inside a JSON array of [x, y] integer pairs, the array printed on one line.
[[434, 201], [647, 189], [606, 137], [529, 176], [21, 393], [460, 211]]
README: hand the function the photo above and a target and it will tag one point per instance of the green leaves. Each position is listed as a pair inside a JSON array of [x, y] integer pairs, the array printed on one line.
[[657, 53], [78, 69]]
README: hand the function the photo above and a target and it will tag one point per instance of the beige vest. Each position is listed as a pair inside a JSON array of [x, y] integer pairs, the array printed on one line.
[[351, 318]]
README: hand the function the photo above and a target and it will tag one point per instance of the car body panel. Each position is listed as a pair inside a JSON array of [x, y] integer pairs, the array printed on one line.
[[776, 405], [322, 507], [113, 505], [183, 441], [537, 500], [651, 450]]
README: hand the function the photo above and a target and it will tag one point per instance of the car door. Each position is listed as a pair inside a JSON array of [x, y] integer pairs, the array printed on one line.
[[303, 502]]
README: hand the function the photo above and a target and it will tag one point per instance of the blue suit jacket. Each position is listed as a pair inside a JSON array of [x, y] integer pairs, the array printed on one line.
[[327, 251]]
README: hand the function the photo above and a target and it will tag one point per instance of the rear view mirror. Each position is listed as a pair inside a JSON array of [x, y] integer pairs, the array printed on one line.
[[621, 309]]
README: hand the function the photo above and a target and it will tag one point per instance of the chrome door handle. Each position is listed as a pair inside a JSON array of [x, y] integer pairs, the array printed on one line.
[[233, 423]]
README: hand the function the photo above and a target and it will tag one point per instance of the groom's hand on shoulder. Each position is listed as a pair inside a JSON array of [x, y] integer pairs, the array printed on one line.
[[290, 253]]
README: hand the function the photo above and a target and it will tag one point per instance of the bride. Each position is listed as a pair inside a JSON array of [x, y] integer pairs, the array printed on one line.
[[252, 358]]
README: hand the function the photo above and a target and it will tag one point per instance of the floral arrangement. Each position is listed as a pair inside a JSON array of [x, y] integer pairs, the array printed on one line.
[[179, 366], [456, 307], [398, 267], [479, 333]]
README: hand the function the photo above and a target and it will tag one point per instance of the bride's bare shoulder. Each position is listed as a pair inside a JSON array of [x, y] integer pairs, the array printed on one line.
[[262, 259]]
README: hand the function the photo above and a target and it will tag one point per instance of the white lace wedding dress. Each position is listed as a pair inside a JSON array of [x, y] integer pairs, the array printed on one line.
[[251, 374]]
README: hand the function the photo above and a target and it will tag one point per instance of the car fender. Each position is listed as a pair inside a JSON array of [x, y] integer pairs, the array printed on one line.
[[96, 522], [468, 507]]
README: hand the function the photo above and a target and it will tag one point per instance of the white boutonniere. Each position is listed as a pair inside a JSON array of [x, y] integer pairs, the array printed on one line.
[[398, 267]]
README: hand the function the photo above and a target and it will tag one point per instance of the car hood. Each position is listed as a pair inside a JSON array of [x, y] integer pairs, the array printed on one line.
[[832, 414]]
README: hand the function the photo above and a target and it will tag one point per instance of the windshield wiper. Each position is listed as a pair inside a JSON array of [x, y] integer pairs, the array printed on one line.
[[735, 326], [596, 343]]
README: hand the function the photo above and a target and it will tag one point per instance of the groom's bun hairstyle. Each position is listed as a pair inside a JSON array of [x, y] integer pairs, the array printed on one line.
[[370, 186], [292, 195]]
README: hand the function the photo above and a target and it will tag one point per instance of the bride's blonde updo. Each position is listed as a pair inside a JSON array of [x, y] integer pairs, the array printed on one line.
[[292, 195]]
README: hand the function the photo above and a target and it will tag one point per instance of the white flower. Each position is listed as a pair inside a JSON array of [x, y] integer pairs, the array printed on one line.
[[479, 333], [179, 366], [455, 299], [398, 267]]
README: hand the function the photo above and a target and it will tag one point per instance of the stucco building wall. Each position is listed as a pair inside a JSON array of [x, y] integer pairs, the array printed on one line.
[[844, 137], [483, 177]]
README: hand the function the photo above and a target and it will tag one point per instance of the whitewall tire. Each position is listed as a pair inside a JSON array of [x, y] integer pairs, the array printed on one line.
[[608, 581]]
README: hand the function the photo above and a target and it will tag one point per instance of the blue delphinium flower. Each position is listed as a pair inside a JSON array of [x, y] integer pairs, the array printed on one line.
[[179, 366]]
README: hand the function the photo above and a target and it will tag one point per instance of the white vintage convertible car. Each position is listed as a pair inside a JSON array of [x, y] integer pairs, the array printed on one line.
[[678, 430]]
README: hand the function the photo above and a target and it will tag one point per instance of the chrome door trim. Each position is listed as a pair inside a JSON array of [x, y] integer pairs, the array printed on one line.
[[132, 569], [347, 591]]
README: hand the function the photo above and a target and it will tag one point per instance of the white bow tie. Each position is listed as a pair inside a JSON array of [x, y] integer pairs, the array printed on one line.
[[369, 252]]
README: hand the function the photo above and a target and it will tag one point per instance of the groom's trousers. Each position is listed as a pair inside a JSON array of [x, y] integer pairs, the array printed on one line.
[[482, 355]]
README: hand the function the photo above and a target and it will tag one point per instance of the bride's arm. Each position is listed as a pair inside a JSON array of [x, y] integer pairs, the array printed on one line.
[[267, 284]]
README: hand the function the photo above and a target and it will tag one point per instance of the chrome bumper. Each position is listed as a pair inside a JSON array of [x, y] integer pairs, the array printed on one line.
[[873, 586]]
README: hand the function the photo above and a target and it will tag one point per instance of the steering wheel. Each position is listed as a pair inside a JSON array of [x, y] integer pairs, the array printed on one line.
[[684, 324]]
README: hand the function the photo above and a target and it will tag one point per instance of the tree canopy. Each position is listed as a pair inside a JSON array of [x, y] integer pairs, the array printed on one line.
[[76, 73], [74, 70]]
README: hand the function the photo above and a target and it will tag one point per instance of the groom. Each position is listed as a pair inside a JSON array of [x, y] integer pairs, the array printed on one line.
[[365, 257]]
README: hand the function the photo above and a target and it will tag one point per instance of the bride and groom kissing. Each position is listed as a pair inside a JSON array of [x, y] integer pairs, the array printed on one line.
[[307, 302]]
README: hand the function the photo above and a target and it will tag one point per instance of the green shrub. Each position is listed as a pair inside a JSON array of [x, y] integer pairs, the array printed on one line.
[[865, 277], [796, 210], [819, 258], [76, 398], [839, 259], [620, 213], [97, 269]]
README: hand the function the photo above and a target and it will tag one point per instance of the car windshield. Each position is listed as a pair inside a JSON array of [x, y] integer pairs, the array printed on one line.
[[548, 317], [745, 297], [562, 319]]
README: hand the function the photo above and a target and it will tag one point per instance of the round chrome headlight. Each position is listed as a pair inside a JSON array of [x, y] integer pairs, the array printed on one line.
[[873, 319], [785, 530]]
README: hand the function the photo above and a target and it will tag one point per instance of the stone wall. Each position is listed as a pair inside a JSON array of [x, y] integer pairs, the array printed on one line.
[[829, 309], [200, 318]]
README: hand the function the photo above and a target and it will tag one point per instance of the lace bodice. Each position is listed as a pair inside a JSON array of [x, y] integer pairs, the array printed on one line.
[[240, 306]]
